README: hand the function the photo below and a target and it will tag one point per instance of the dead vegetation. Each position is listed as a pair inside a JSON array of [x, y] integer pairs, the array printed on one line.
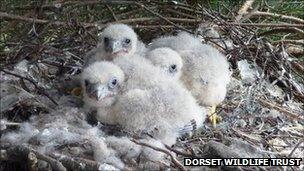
[[43, 43]]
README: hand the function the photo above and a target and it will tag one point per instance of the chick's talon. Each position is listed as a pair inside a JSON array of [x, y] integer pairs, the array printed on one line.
[[213, 116]]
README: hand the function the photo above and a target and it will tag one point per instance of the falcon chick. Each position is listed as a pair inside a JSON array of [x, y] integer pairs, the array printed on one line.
[[115, 40], [140, 72], [101, 83], [161, 111], [168, 60], [149, 88], [206, 71]]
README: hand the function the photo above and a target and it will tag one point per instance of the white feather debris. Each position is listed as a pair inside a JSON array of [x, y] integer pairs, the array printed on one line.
[[22, 66], [104, 154], [275, 91], [105, 166], [248, 73], [3, 124], [25, 132]]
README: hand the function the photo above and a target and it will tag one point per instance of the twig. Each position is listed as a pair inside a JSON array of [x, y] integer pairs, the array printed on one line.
[[279, 30], [112, 12], [297, 146], [281, 109], [174, 160], [180, 13], [21, 152], [157, 26], [40, 89], [269, 14], [4, 15], [76, 163], [264, 24], [300, 42], [179, 152], [162, 17], [60, 23]]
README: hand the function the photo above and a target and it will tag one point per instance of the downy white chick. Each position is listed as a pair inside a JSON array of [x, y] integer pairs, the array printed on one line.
[[101, 83], [140, 72], [206, 71], [161, 111], [151, 89], [116, 40], [168, 60]]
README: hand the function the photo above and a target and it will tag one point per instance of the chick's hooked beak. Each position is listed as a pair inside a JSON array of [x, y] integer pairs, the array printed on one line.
[[98, 91], [114, 46]]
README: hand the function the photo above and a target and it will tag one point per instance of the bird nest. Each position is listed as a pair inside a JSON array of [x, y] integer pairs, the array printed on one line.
[[44, 44]]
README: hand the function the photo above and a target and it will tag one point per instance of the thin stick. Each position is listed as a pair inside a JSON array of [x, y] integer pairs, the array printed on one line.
[[281, 109], [40, 89], [21, 152], [174, 160], [263, 24], [299, 42], [162, 17], [297, 146], [269, 14], [60, 23], [112, 12], [179, 152]]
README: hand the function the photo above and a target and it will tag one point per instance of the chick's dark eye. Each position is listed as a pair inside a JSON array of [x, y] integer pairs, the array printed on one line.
[[173, 68], [106, 40], [113, 83], [86, 82], [127, 41]]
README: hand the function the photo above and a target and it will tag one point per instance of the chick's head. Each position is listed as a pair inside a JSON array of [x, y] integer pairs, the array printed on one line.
[[168, 60], [101, 82], [118, 40]]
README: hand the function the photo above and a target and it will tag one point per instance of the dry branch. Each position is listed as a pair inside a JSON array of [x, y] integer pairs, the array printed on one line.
[[297, 146], [281, 16], [288, 113], [271, 25], [174, 160], [39, 88], [76, 163], [282, 30], [100, 26], [299, 42], [21, 153]]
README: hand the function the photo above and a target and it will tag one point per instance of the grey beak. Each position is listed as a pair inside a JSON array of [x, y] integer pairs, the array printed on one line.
[[97, 91], [115, 46]]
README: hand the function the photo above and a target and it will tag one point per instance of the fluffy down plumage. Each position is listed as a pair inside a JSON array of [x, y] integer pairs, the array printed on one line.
[[115, 40], [101, 82], [160, 107], [160, 111], [140, 73], [205, 72], [168, 60]]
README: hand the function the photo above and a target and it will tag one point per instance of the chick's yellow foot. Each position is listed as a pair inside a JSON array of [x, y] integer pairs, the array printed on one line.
[[213, 116], [77, 91]]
